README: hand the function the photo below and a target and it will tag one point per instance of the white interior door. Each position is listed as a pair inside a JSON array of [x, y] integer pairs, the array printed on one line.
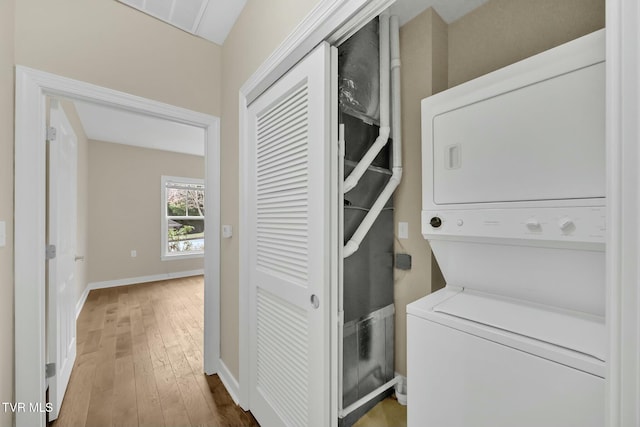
[[289, 254], [62, 212]]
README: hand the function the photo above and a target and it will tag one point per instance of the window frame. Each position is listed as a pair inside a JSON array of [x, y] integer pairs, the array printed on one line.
[[165, 255]]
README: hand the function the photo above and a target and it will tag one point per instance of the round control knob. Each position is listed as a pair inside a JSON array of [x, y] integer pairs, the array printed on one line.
[[565, 224], [435, 222], [460, 223]]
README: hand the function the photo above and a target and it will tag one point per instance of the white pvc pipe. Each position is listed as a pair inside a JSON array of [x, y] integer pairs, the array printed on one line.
[[383, 134], [354, 177], [396, 107], [354, 243], [355, 405]]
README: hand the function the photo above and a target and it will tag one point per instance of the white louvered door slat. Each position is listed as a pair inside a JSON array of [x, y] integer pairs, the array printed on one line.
[[289, 151]]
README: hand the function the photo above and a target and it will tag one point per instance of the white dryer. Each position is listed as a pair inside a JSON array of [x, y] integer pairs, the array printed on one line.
[[514, 210]]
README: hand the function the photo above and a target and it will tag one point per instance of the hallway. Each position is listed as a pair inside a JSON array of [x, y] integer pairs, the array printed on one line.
[[140, 363]]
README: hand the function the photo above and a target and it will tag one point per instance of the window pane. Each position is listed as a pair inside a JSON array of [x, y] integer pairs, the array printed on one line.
[[184, 216], [176, 202], [185, 236], [195, 202]]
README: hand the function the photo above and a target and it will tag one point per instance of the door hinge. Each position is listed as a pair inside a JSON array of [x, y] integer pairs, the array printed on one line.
[[51, 133], [50, 252], [49, 370]]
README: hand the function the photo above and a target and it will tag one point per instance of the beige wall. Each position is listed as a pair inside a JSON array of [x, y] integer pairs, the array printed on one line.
[[502, 32], [261, 27], [423, 50], [107, 43], [124, 210], [83, 197], [6, 205]]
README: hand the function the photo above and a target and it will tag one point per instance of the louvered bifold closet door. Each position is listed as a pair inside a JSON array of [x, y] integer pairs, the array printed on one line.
[[288, 192]]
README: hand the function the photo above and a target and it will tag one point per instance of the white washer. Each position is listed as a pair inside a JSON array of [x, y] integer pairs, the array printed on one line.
[[465, 370]]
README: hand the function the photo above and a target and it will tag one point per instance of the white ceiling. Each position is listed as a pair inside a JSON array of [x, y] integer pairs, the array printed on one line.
[[209, 19], [108, 124], [449, 10]]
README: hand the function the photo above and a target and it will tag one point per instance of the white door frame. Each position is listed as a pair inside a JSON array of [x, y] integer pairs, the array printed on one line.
[[623, 212], [333, 20], [32, 87]]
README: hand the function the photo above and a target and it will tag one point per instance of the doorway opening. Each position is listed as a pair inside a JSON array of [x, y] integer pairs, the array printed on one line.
[[32, 89]]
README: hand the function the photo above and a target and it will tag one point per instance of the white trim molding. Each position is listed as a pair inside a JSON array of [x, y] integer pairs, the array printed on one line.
[[623, 213], [330, 20], [143, 279], [32, 88], [82, 300], [131, 281], [229, 381]]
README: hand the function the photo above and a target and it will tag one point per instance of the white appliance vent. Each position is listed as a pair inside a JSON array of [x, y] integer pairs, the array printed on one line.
[[184, 14]]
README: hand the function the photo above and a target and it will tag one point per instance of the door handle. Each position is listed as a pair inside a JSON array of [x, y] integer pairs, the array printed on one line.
[[79, 258], [315, 301]]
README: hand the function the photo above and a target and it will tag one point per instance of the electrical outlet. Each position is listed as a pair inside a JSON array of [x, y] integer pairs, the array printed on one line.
[[134, 253]]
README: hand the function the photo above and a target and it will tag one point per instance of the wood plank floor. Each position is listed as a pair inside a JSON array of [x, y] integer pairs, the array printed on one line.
[[139, 361]]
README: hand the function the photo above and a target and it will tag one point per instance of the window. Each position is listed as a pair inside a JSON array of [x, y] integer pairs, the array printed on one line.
[[182, 217]]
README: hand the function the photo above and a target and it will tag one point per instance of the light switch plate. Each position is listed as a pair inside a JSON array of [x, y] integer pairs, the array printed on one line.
[[403, 230], [134, 253], [3, 234], [227, 231]]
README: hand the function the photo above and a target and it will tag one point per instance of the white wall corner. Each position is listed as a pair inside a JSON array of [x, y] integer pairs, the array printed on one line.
[[229, 381]]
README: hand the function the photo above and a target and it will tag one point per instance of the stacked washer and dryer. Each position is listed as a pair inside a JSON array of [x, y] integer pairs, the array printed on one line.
[[514, 210]]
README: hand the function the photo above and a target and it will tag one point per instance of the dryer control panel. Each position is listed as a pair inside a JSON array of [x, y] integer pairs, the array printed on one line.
[[570, 224]]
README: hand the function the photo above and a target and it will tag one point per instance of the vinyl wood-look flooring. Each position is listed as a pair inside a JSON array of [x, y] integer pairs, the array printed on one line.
[[139, 361], [388, 413]]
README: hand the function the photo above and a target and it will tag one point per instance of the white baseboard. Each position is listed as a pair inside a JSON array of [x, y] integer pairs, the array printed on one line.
[[131, 281], [144, 279], [82, 300], [229, 381]]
